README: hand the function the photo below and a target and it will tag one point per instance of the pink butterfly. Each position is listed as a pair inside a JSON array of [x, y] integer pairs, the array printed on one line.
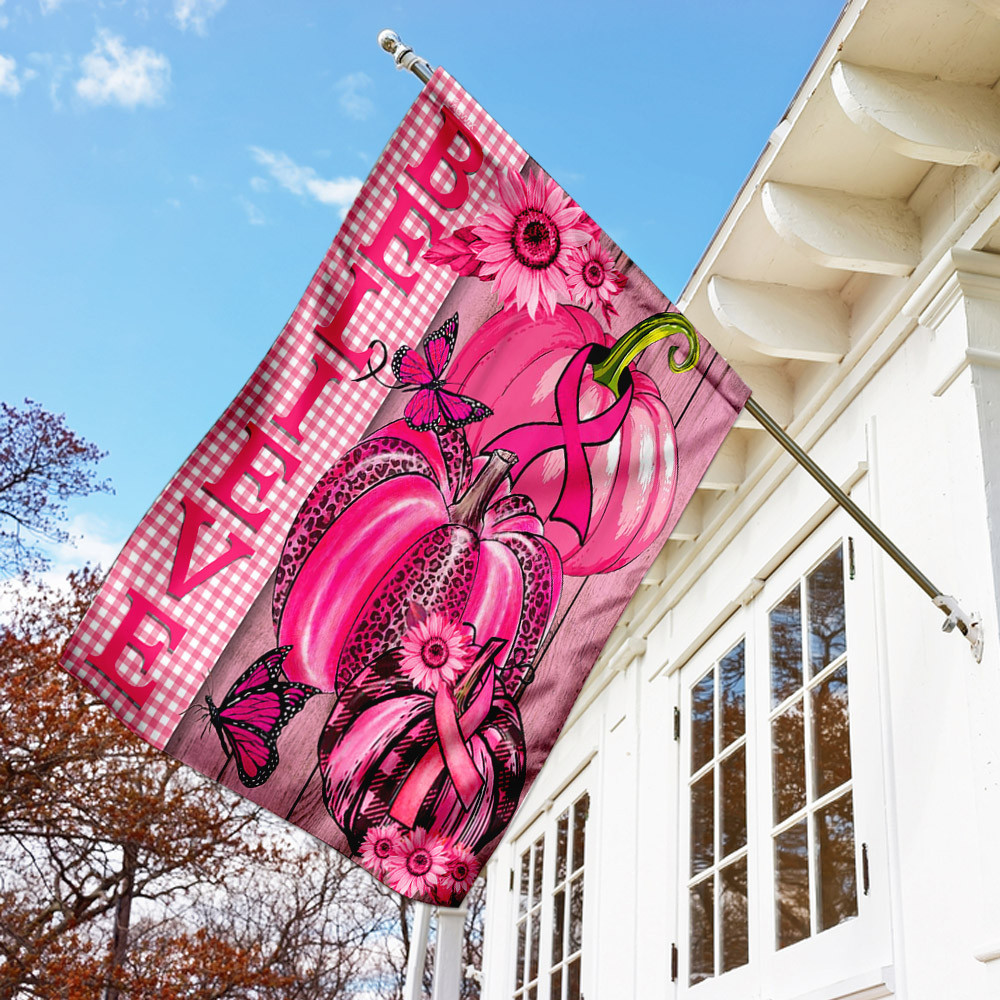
[[254, 712], [432, 404]]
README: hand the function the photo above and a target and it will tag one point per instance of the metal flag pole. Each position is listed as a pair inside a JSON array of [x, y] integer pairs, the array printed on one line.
[[956, 617]]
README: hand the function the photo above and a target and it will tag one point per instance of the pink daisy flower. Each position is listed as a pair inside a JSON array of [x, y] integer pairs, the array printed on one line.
[[435, 652], [417, 867], [593, 279], [461, 872], [527, 239], [380, 844]]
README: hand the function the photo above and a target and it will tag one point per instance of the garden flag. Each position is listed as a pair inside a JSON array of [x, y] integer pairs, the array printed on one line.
[[370, 596]]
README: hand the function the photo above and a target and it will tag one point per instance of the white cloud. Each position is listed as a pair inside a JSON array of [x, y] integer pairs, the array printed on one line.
[[254, 215], [49, 6], [259, 184], [195, 14], [116, 74], [91, 541], [56, 69], [10, 85], [339, 191], [352, 101]]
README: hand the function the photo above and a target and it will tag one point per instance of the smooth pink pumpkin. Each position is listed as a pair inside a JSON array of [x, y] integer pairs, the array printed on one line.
[[381, 758], [595, 442], [405, 518]]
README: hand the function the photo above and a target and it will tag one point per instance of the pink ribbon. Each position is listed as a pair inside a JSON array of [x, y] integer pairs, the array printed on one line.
[[570, 433], [449, 751]]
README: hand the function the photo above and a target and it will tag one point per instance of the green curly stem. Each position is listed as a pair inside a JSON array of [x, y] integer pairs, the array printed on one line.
[[642, 335]]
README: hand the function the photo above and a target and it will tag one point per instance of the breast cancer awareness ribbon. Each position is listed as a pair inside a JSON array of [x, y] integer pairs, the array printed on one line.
[[449, 750], [570, 434]]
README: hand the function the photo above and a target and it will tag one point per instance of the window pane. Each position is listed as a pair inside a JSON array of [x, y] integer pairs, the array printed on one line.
[[825, 587], [838, 897], [533, 954], [786, 648], [533, 993], [520, 953], [831, 733], [791, 866], [703, 822], [733, 805], [522, 904], [562, 834], [733, 916], [702, 722], [558, 924], [555, 990], [576, 915], [732, 695], [788, 756], [702, 932], [573, 991], [581, 809], [536, 880]]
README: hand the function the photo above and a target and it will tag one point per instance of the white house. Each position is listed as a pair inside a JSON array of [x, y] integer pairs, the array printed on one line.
[[781, 780]]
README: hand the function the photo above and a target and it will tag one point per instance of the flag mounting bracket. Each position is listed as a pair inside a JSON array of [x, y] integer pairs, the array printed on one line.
[[968, 624], [403, 56]]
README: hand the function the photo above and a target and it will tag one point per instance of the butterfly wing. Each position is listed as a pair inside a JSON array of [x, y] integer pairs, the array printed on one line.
[[256, 756], [266, 668], [423, 411], [457, 410], [439, 346], [253, 713], [410, 368]]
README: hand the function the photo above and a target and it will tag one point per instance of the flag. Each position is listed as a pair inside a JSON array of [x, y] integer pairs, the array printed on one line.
[[370, 596]]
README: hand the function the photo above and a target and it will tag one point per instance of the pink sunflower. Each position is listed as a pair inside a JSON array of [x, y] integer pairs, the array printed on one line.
[[527, 239], [419, 864], [380, 844], [593, 279], [435, 652], [460, 874]]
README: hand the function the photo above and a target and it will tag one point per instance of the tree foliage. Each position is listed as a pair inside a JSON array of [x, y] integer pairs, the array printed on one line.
[[43, 463], [125, 874]]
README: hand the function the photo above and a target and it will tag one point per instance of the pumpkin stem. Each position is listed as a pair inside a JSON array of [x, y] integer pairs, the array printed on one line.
[[471, 508], [486, 656], [649, 331]]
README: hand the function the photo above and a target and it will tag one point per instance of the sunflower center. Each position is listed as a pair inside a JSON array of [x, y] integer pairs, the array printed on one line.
[[593, 274], [383, 848], [419, 862], [535, 239], [435, 652], [460, 870]]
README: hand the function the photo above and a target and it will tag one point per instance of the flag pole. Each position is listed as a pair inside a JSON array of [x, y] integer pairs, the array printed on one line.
[[956, 617], [968, 624]]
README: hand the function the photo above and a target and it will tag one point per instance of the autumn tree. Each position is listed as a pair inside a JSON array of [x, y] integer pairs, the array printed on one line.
[[43, 464], [127, 874]]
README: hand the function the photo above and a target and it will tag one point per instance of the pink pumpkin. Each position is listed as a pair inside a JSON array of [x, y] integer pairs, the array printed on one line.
[[395, 524], [386, 756], [595, 442]]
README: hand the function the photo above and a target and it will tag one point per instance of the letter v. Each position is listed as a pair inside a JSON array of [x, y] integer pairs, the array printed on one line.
[[182, 581]]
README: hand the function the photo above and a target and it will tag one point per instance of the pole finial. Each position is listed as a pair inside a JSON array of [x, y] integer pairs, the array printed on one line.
[[403, 56]]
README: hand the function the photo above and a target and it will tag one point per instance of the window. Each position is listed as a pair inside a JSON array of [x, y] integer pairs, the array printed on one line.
[[550, 900], [717, 890], [774, 713], [813, 817]]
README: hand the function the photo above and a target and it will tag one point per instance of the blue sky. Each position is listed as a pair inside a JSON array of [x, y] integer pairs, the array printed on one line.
[[173, 171]]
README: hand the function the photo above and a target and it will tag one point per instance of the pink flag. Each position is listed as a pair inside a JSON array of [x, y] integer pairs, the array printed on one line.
[[370, 596]]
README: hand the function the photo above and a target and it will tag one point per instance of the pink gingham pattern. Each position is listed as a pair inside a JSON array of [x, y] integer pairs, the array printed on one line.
[[211, 612]]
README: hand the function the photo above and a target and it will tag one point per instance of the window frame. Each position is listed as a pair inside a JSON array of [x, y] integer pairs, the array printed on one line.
[[861, 943], [545, 826]]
